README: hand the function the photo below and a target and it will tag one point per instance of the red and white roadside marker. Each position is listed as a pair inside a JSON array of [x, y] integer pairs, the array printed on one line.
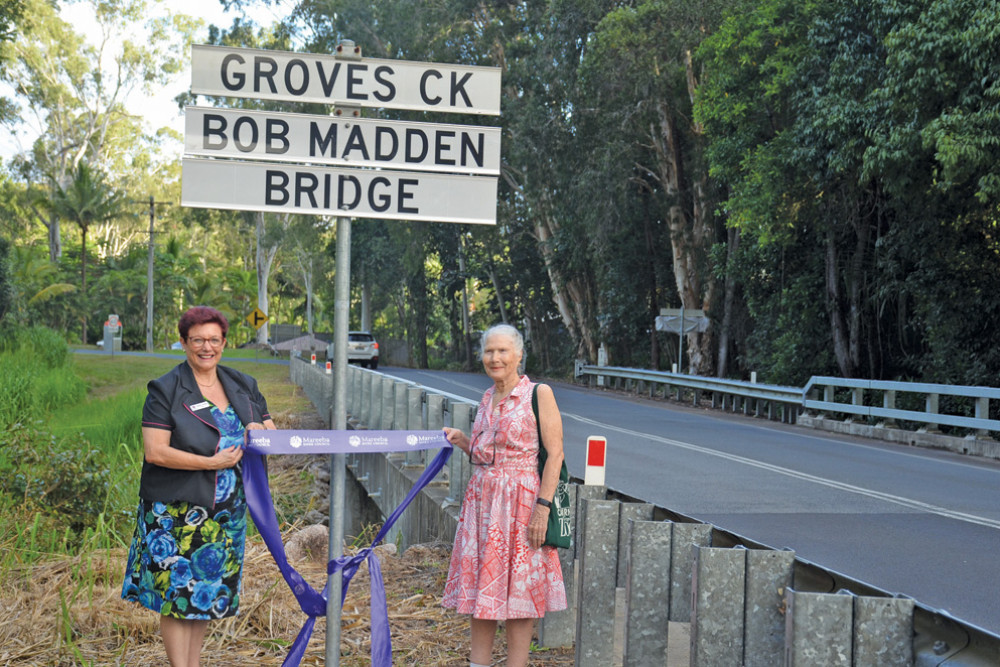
[[597, 449], [313, 359], [329, 368]]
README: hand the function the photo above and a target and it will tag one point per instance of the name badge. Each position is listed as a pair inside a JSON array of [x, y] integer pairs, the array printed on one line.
[[201, 406]]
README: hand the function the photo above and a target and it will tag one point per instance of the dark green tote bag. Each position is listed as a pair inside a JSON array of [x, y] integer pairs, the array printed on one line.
[[560, 529]]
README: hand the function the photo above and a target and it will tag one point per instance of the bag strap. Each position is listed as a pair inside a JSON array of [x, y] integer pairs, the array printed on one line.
[[542, 454]]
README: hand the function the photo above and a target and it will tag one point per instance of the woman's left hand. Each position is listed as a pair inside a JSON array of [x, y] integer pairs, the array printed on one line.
[[537, 526]]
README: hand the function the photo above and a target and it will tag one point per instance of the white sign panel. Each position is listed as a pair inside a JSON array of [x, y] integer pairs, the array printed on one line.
[[346, 142], [358, 193], [326, 79]]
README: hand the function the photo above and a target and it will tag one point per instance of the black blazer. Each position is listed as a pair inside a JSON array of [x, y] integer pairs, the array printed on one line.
[[175, 403]]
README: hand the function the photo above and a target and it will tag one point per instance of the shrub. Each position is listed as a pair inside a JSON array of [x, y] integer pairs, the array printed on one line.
[[66, 478]]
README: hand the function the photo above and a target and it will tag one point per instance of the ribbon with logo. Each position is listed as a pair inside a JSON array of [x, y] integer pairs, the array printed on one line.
[[258, 493]]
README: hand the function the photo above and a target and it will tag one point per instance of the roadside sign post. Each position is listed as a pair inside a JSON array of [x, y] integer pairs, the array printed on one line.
[[597, 450], [344, 167], [681, 322]]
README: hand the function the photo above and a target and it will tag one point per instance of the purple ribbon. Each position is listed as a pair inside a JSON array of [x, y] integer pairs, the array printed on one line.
[[258, 495]]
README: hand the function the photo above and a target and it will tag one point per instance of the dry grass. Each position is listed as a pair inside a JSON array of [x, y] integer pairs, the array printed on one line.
[[48, 617]]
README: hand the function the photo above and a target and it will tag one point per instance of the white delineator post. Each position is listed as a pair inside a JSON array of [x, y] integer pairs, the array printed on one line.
[[597, 449]]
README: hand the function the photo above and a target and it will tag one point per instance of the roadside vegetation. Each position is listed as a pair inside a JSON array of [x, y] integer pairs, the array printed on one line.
[[70, 455]]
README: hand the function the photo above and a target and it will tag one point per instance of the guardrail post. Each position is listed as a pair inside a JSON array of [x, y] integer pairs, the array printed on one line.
[[595, 628], [435, 412], [388, 403], [629, 512], [401, 415], [818, 629], [558, 628], [883, 631], [585, 492], [375, 419], [459, 468], [415, 420], [857, 398], [717, 602], [647, 594], [828, 397], [686, 536], [889, 403], [366, 399], [982, 412], [769, 575], [932, 405]]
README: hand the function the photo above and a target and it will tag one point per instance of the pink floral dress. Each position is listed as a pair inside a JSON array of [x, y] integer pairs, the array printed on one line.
[[494, 572]]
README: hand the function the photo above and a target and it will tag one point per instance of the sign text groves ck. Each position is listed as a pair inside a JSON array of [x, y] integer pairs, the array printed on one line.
[[354, 142], [303, 77], [363, 193]]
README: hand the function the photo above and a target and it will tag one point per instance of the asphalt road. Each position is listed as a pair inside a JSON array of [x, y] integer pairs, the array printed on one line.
[[906, 520]]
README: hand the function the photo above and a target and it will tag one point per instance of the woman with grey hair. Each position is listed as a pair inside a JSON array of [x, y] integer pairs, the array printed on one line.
[[500, 571]]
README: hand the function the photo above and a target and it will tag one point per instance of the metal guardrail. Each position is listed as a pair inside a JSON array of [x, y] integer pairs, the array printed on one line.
[[863, 391], [939, 638], [861, 396]]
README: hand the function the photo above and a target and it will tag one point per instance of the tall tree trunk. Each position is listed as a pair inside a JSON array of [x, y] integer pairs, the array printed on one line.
[[571, 298], [654, 304], [83, 279], [838, 327], [264, 260], [728, 304], [55, 238], [501, 302], [691, 231]]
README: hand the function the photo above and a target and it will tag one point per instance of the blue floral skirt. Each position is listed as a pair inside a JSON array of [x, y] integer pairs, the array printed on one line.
[[186, 561]]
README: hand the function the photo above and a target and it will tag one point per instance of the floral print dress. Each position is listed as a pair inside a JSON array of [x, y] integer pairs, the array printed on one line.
[[186, 560]]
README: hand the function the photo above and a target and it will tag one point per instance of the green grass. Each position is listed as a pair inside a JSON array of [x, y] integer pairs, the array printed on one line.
[[91, 442]]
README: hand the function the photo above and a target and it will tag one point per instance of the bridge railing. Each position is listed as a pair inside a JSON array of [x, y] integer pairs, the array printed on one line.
[[875, 400], [741, 598]]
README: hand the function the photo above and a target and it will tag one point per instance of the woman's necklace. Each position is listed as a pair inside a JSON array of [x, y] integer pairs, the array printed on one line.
[[206, 386]]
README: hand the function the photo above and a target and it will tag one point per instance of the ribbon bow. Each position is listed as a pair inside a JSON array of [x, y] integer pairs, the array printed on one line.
[[261, 507]]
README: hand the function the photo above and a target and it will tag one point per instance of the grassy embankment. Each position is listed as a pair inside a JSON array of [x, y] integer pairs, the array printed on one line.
[[71, 448]]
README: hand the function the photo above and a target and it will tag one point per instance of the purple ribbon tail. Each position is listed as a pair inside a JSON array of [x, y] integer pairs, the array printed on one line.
[[312, 603]]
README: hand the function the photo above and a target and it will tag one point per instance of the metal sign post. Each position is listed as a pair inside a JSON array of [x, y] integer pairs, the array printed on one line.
[[338, 421]]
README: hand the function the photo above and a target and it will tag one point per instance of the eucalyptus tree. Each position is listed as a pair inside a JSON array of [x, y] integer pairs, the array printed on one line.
[[73, 92]]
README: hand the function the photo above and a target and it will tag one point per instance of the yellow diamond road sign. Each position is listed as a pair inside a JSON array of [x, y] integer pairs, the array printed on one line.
[[257, 318]]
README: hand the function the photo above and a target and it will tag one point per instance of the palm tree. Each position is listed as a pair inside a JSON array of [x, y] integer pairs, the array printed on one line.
[[88, 200]]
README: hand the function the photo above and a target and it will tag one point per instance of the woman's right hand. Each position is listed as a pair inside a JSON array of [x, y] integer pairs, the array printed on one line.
[[457, 438], [227, 458]]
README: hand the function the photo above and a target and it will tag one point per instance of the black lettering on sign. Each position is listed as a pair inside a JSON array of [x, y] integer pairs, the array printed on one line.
[[306, 189], [424, 95], [416, 145], [382, 74], [386, 143], [213, 126], [458, 88], [276, 132], [238, 78], [264, 69], [303, 76], [327, 144], [275, 188], [245, 140], [354, 80]]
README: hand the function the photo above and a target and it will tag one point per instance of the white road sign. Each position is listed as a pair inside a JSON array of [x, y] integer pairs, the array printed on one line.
[[359, 193], [345, 142], [326, 79]]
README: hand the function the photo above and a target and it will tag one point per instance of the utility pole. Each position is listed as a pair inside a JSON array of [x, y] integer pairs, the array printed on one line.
[[149, 274]]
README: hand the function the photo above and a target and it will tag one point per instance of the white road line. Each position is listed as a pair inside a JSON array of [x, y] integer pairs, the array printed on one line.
[[788, 472]]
